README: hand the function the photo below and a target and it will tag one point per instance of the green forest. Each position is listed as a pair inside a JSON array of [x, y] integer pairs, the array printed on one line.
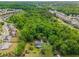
[[36, 23]]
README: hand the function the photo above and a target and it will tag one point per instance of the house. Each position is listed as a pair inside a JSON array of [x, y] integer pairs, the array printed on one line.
[[13, 33], [8, 38], [5, 46], [38, 43]]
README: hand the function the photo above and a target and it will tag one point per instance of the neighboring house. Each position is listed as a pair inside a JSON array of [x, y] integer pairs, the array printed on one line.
[[13, 32], [5, 46], [73, 20], [8, 38]]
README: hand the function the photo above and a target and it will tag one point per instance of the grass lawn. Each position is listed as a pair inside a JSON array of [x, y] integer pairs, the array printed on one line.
[[31, 50]]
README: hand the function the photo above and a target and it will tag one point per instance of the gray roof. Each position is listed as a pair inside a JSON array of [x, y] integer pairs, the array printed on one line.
[[38, 43]]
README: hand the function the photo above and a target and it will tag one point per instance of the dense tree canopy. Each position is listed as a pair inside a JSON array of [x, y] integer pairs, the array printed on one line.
[[40, 24], [69, 10]]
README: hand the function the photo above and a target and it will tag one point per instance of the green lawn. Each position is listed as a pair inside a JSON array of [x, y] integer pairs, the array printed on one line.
[[31, 50]]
